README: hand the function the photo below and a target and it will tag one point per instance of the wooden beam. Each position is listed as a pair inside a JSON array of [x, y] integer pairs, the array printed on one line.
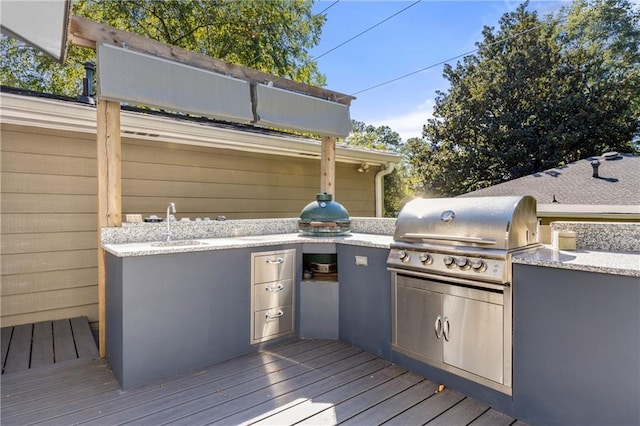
[[328, 166], [109, 194], [86, 33]]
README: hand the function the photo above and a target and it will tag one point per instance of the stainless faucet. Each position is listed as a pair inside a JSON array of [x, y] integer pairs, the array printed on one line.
[[170, 208]]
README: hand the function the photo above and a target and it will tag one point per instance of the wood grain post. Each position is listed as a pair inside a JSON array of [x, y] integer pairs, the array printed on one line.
[[109, 193], [328, 166]]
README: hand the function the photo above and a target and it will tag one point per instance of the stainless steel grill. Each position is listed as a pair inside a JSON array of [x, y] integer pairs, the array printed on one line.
[[466, 238], [450, 265]]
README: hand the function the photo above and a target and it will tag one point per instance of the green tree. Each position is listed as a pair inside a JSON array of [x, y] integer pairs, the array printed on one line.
[[383, 138], [537, 94], [271, 36]]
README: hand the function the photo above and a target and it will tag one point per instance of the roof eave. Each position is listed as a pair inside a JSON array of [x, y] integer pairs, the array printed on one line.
[[75, 117]]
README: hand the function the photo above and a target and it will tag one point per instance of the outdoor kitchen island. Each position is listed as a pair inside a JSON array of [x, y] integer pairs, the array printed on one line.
[[365, 319]]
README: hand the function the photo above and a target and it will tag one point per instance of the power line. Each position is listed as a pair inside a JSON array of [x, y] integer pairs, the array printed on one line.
[[329, 7], [363, 32], [442, 62]]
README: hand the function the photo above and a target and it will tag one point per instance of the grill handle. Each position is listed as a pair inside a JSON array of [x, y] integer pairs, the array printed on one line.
[[446, 329], [416, 236], [437, 327]]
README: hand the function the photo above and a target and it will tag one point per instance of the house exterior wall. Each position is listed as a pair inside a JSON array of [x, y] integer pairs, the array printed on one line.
[[49, 206]]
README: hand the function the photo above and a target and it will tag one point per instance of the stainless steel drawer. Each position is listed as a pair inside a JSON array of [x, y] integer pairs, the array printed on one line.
[[272, 295], [271, 322], [273, 266]]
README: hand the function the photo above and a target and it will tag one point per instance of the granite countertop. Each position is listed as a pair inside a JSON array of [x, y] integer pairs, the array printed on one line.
[[617, 263], [208, 244]]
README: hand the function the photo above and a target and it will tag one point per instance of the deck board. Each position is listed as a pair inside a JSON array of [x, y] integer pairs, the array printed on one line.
[[42, 350], [5, 333], [82, 336], [308, 381], [428, 409], [64, 348], [492, 417], [34, 346], [398, 403], [19, 354], [352, 407], [462, 413]]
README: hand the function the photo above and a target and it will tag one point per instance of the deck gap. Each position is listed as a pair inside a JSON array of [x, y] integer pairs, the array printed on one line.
[[7, 349], [31, 345], [408, 408], [73, 339], [479, 415]]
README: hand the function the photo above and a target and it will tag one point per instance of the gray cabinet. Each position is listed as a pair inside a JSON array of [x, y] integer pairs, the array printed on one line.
[[576, 347], [272, 294], [365, 298]]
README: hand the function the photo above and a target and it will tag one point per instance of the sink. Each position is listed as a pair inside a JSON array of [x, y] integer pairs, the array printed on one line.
[[178, 243]]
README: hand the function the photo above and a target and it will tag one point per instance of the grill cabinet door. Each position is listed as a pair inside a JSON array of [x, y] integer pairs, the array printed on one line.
[[416, 313], [475, 336]]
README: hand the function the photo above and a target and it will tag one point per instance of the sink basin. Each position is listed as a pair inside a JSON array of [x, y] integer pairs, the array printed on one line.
[[178, 243]]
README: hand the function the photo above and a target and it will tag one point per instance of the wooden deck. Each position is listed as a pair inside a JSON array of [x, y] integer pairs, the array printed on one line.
[[304, 381], [45, 343]]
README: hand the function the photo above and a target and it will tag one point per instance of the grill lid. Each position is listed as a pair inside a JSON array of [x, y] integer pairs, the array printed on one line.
[[502, 223], [324, 217]]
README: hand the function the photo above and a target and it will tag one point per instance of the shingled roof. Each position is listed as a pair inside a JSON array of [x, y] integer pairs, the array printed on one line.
[[618, 183]]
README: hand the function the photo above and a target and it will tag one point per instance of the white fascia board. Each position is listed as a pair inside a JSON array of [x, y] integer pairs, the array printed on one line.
[[72, 117]]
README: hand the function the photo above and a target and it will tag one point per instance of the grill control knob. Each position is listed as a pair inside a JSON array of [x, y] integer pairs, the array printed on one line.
[[478, 265], [449, 261], [426, 259], [462, 263], [404, 256]]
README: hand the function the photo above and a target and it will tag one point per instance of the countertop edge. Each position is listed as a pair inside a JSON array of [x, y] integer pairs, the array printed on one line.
[[626, 263], [210, 244]]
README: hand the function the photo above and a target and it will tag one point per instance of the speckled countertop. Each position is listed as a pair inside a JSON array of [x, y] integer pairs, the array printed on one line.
[[207, 244], [618, 263], [601, 247]]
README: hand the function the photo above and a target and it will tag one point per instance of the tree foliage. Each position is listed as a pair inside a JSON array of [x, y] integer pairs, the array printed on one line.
[[383, 138], [271, 36], [537, 94]]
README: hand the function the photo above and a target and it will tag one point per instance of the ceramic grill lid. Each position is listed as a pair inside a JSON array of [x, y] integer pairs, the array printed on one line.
[[324, 217]]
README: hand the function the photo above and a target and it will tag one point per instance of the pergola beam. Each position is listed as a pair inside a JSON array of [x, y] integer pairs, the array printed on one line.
[[87, 33]]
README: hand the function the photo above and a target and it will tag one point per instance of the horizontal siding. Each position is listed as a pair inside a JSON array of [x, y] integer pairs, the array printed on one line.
[[49, 206], [24, 263], [18, 304], [46, 242], [33, 282], [24, 223]]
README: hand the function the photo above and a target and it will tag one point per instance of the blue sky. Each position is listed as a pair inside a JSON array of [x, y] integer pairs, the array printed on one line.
[[425, 34]]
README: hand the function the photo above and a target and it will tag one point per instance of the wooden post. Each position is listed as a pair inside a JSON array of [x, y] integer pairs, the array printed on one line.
[[328, 166], [109, 193]]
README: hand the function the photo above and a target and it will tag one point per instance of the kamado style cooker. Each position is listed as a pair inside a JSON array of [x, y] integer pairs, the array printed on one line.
[[324, 218]]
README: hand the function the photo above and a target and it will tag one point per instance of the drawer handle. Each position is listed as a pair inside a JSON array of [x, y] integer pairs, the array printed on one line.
[[279, 287], [276, 261], [271, 316]]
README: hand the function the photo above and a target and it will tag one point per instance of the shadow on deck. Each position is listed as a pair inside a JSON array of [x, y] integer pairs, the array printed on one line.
[[304, 381]]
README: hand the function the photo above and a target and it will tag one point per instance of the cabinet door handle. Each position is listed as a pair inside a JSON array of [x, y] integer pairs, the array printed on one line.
[[446, 329], [271, 316], [437, 327], [279, 287], [275, 261]]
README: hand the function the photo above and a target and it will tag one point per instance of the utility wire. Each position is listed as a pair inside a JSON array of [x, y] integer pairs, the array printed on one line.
[[363, 32], [329, 7], [441, 62]]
